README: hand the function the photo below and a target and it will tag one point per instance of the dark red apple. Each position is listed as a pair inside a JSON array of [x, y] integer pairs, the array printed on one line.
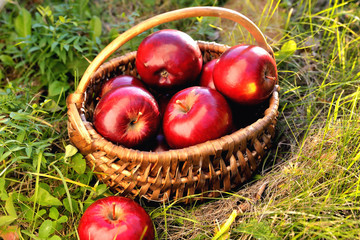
[[163, 100], [206, 76], [119, 81], [168, 59], [195, 115], [115, 218], [127, 115], [246, 74]]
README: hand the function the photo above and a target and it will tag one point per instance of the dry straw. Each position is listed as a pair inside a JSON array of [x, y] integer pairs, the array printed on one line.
[[205, 169]]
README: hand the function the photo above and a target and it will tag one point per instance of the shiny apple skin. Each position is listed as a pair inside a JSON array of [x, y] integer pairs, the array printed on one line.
[[246, 74], [131, 221], [208, 117], [120, 81], [116, 113], [168, 59], [206, 76]]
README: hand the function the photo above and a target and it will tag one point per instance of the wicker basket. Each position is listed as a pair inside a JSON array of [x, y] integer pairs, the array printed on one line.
[[205, 169]]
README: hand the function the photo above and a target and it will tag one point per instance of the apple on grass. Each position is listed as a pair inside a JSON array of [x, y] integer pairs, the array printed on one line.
[[168, 59], [127, 115], [9, 232], [206, 75], [246, 74], [120, 81], [115, 218], [195, 115]]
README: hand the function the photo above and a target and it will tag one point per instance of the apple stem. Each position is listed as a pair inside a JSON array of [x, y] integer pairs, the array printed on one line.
[[182, 105], [138, 117], [164, 74], [114, 204], [270, 77]]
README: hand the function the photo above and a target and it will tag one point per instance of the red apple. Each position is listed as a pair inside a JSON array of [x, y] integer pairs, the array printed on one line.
[[168, 58], [127, 115], [120, 81], [115, 218], [195, 115], [9, 233], [163, 100], [206, 76], [245, 74]]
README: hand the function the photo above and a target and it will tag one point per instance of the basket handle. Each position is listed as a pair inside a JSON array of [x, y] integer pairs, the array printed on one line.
[[164, 18]]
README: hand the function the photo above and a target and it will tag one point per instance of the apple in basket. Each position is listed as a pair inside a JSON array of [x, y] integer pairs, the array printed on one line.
[[206, 76], [120, 81], [246, 74], [168, 59], [127, 115], [115, 218], [195, 115]]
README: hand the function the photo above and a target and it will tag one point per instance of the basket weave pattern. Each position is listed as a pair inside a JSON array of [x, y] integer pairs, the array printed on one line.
[[205, 169]]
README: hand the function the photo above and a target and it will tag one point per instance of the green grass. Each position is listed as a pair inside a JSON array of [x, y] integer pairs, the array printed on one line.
[[311, 174]]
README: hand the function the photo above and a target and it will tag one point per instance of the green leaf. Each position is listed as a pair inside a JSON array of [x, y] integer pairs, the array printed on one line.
[[57, 88], [66, 47], [63, 219], [70, 151], [224, 230], [54, 213], [6, 220], [44, 198], [287, 50], [28, 151], [42, 66], [77, 47], [40, 213], [74, 207], [82, 7], [78, 163], [50, 105], [78, 65], [23, 23], [289, 47], [9, 206], [100, 189], [46, 229], [62, 55], [21, 136], [3, 193], [55, 237], [62, 19], [7, 60], [53, 45], [18, 116], [2, 75], [113, 33], [95, 27]]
